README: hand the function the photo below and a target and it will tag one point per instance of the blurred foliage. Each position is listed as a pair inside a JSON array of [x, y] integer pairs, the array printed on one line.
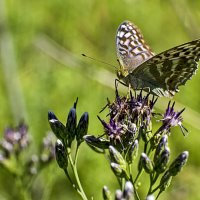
[[42, 69]]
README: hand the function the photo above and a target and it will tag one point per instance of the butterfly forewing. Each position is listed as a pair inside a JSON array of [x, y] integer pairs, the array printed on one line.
[[131, 48], [161, 74]]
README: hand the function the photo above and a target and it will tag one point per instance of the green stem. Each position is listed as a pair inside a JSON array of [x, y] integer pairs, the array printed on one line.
[[76, 154], [136, 195], [74, 169], [73, 185], [22, 189], [119, 181], [158, 195], [130, 169], [138, 175], [152, 182], [145, 147], [122, 184], [70, 180], [155, 188]]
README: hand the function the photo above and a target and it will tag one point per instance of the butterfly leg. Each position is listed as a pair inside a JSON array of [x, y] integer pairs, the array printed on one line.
[[146, 89], [129, 91], [118, 81]]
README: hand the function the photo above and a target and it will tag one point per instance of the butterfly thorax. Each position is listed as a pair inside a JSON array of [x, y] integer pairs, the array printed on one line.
[[122, 72]]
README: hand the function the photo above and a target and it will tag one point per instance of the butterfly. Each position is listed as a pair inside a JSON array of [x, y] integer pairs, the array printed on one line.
[[160, 74]]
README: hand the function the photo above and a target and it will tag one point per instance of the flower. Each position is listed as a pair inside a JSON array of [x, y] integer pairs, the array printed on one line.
[[137, 109], [172, 118], [15, 140], [47, 149], [128, 115], [112, 129]]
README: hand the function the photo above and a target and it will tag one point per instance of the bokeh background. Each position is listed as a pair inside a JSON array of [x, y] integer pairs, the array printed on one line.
[[42, 69]]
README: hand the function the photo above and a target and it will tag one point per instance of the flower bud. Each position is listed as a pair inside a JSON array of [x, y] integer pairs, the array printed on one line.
[[165, 181], [161, 146], [32, 165], [57, 127], [162, 161], [106, 193], [61, 156], [47, 150], [117, 157], [128, 190], [155, 140], [145, 163], [178, 163], [71, 125], [132, 152], [82, 127], [96, 143], [150, 197], [118, 195], [116, 168], [142, 132]]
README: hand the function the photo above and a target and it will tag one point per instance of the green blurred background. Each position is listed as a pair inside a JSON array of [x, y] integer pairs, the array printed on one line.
[[42, 69]]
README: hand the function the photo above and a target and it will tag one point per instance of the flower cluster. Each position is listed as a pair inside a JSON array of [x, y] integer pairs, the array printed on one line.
[[130, 124], [18, 161], [128, 137], [16, 141], [66, 136], [127, 116]]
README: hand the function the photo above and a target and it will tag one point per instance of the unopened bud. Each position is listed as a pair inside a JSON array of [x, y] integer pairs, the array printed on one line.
[[162, 161], [118, 195], [165, 181], [155, 140], [71, 125], [146, 133], [161, 146], [118, 171], [61, 156], [57, 127], [178, 163], [132, 152], [117, 157], [150, 197], [96, 143], [106, 193], [128, 191], [145, 163], [82, 127]]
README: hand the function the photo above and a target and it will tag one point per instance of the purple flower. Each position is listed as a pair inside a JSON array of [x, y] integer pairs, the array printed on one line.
[[15, 139], [112, 129], [172, 118]]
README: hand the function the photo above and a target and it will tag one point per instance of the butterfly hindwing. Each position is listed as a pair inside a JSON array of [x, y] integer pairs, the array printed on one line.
[[170, 69]]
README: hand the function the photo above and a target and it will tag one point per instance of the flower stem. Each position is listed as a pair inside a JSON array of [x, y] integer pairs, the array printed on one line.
[[74, 169], [22, 189], [138, 175]]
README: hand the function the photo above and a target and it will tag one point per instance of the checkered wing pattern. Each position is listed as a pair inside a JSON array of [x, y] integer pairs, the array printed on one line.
[[131, 47], [161, 74]]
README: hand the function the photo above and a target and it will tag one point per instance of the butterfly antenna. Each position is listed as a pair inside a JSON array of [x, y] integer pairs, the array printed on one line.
[[98, 60]]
